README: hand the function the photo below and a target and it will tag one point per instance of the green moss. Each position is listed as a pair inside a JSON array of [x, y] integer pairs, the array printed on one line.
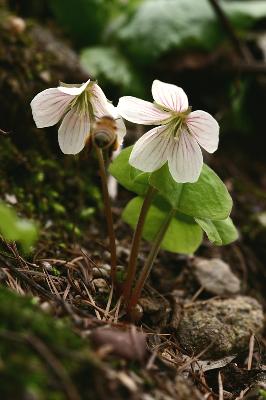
[[23, 370]]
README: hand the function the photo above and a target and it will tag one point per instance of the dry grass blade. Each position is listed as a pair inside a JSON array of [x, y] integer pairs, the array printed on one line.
[[109, 302], [117, 309], [251, 351], [242, 394], [193, 359], [92, 301], [220, 385]]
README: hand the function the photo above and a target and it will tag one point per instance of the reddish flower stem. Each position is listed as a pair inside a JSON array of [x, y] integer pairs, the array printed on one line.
[[131, 270], [149, 262]]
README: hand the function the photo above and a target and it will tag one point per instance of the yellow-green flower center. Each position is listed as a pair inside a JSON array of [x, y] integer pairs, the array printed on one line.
[[82, 102], [176, 120]]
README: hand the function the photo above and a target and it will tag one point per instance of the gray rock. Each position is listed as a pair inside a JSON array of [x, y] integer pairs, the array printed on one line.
[[216, 276], [227, 323]]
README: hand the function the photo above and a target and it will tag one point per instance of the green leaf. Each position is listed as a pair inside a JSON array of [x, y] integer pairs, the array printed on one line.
[[131, 178], [17, 229], [109, 65], [244, 14], [183, 24], [85, 20], [182, 236], [206, 198], [219, 232]]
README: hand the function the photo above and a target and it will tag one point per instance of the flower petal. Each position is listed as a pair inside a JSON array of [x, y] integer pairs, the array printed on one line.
[[99, 101], [73, 132], [205, 129], [140, 111], [49, 106], [121, 129], [74, 91], [151, 151], [185, 159], [169, 96]]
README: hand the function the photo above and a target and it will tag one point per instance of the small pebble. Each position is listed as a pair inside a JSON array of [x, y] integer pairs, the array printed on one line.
[[216, 276], [101, 285]]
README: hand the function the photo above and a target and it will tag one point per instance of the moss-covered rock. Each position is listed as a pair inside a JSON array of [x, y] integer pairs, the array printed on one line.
[[225, 323]]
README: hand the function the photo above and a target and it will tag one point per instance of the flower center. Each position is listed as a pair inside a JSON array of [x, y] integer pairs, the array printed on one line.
[[82, 102], [177, 121]]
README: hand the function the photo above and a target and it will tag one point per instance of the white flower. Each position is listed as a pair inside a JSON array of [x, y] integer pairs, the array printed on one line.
[[178, 137], [78, 106]]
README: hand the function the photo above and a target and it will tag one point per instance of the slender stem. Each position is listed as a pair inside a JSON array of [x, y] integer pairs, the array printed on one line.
[[131, 270], [150, 260], [108, 213], [240, 48]]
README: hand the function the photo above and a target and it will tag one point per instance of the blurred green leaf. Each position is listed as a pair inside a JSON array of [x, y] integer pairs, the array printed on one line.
[[108, 64], [237, 117], [85, 20], [17, 229], [244, 14], [219, 232], [206, 198], [159, 26], [183, 235]]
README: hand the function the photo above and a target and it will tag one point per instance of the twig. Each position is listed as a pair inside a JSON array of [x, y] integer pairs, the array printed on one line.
[[109, 302], [241, 50], [195, 358], [117, 310], [251, 351], [70, 309], [220, 384], [196, 295], [242, 393], [92, 301]]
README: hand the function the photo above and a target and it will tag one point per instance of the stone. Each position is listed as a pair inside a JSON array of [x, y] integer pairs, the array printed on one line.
[[216, 276], [101, 285], [227, 323], [128, 344]]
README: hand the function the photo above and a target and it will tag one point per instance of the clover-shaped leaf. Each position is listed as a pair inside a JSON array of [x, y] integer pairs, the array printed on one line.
[[219, 232], [206, 198], [183, 235]]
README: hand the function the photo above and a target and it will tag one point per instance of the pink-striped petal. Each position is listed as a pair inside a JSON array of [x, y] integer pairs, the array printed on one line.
[[151, 151], [185, 159], [98, 101], [170, 96], [205, 129], [141, 111], [73, 90], [73, 132], [121, 130], [49, 106]]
